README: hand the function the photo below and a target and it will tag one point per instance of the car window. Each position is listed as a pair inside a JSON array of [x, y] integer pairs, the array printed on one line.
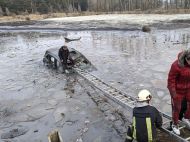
[[52, 59]]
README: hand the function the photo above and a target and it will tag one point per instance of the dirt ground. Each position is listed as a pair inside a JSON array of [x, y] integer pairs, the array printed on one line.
[[98, 22]]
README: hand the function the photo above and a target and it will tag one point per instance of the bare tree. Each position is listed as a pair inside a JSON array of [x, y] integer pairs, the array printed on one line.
[[1, 11], [7, 11]]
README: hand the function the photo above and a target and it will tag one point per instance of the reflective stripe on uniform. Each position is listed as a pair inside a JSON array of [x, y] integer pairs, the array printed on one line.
[[149, 129], [129, 137], [134, 128]]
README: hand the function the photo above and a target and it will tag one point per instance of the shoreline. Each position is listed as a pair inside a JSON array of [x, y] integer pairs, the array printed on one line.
[[126, 22]]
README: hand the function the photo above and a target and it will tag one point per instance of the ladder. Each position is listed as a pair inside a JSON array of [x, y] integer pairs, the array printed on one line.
[[129, 102]]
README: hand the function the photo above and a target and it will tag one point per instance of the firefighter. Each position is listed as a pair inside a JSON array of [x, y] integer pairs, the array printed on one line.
[[179, 88], [146, 119]]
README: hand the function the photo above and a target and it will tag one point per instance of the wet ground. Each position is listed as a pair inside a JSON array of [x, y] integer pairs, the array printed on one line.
[[40, 99]]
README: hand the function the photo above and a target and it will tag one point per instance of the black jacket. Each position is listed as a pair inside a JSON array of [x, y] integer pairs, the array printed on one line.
[[63, 54], [145, 121]]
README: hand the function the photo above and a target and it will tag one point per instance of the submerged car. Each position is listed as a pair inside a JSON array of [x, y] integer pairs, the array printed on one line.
[[52, 60]]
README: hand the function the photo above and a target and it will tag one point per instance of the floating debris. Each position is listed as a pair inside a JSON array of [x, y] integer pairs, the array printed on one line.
[[146, 29], [14, 133], [35, 131]]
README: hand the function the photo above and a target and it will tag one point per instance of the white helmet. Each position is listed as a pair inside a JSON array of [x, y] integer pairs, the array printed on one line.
[[144, 95]]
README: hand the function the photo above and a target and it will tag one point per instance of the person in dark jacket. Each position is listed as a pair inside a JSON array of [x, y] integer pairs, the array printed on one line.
[[146, 119], [179, 88], [64, 57]]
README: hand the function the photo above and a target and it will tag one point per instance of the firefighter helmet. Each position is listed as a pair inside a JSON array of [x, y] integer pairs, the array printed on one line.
[[144, 95]]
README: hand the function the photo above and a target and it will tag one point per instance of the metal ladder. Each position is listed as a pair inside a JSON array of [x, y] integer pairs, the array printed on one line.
[[128, 102]]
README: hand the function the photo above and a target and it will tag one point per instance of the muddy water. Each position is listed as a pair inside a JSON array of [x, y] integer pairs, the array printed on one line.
[[133, 60], [128, 60], [21, 66]]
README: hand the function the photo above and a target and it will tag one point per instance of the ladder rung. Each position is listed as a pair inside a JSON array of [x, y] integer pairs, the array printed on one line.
[[181, 127], [131, 102], [105, 88], [103, 85], [125, 102], [124, 99], [166, 122], [187, 138], [119, 96], [114, 94], [112, 90]]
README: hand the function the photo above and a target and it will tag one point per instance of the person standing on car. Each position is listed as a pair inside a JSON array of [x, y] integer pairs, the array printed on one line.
[[146, 119], [179, 88], [64, 56]]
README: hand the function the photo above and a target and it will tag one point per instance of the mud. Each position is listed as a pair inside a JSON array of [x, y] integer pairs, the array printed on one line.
[[14, 133], [41, 99], [127, 22]]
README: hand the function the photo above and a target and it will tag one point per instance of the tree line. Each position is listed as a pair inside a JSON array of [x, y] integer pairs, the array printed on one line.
[[8, 7]]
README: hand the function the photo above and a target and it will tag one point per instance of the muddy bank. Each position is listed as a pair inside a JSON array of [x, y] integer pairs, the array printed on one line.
[[18, 23], [128, 22]]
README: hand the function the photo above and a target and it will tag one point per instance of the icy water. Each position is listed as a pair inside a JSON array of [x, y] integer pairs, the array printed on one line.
[[128, 60]]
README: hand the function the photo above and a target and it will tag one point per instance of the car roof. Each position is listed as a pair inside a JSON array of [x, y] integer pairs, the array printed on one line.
[[54, 52]]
